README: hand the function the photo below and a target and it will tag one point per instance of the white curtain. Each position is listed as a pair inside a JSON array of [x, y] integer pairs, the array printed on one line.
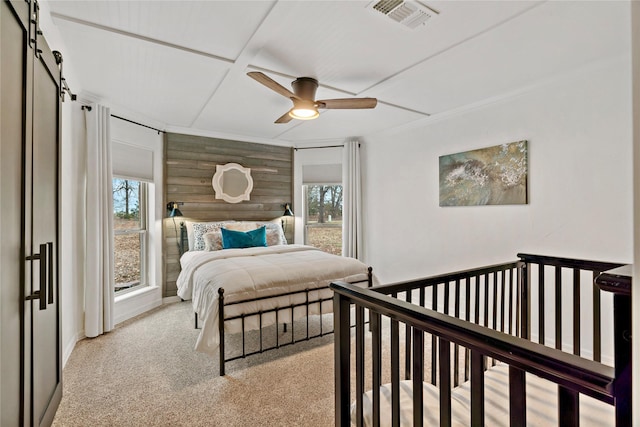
[[352, 201], [99, 288]]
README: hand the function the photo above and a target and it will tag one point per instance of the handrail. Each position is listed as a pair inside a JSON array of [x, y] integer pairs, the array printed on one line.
[[443, 278], [552, 261], [572, 372]]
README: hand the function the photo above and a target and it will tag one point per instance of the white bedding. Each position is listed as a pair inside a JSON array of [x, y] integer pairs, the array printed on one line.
[[258, 272], [542, 403]]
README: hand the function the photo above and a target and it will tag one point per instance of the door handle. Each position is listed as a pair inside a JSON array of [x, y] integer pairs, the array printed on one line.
[[40, 294], [50, 255]]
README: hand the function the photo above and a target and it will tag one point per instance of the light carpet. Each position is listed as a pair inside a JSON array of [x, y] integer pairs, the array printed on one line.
[[146, 373]]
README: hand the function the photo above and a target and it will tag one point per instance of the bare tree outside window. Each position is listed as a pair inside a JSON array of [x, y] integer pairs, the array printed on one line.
[[323, 228]]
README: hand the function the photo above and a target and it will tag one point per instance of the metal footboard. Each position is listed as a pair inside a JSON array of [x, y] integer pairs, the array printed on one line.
[[308, 302]]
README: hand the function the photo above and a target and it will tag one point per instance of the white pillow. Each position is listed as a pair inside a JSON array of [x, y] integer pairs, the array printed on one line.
[[242, 226], [198, 230]]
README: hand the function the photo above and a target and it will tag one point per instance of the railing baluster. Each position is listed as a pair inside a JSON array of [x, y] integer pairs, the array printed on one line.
[[407, 352], [541, 331], [359, 363], [477, 388], [576, 311], [568, 408], [418, 374], [512, 286], [376, 352], [467, 354], [456, 347], [517, 398], [558, 307], [395, 373], [486, 301], [502, 299], [434, 341], [597, 331], [445, 382]]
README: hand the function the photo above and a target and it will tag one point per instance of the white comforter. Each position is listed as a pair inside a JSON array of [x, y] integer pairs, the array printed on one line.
[[258, 272]]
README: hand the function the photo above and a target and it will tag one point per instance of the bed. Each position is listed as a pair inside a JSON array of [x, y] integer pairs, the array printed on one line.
[[537, 341], [251, 287]]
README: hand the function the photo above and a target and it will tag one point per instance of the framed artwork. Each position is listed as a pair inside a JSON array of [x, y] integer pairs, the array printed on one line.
[[488, 176]]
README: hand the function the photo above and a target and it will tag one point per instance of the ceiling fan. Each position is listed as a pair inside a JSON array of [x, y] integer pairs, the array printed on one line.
[[305, 107]]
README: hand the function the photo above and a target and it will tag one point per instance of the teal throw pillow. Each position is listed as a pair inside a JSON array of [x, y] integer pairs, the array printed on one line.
[[232, 239]]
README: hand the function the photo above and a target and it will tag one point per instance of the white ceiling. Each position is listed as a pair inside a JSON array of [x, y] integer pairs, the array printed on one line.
[[181, 65]]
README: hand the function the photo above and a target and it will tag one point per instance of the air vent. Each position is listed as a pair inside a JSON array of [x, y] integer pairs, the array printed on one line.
[[411, 14]]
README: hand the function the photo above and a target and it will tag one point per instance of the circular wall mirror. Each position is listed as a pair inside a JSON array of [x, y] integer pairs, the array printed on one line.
[[232, 183]]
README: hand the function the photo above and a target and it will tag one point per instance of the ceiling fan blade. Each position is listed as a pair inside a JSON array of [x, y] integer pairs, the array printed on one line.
[[347, 103], [285, 118], [271, 84]]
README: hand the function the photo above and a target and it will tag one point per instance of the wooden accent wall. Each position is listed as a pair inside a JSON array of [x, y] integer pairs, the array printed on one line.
[[190, 162]]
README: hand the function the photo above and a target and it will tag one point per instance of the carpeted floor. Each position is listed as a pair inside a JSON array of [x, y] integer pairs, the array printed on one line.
[[146, 373]]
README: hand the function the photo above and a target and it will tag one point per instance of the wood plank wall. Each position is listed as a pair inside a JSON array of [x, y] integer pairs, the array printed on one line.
[[190, 162]]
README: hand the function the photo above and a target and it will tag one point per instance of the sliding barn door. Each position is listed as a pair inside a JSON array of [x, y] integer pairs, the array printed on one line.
[[45, 362], [13, 48], [32, 381]]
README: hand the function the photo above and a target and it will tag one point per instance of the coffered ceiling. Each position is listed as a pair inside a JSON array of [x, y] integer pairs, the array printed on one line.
[[181, 65]]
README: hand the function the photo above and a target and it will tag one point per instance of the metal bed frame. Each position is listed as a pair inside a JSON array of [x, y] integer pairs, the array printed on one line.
[[183, 245]]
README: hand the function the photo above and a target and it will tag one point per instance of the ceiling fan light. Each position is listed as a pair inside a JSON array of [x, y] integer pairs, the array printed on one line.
[[304, 113]]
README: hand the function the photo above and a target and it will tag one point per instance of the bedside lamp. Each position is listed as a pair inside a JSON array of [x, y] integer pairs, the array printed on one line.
[[287, 212], [173, 208]]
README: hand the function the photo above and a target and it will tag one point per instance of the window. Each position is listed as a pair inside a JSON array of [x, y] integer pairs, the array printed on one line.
[[130, 234], [323, 217]]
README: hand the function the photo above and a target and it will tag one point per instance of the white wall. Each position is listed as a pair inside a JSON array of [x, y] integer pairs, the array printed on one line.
[[580, 175]]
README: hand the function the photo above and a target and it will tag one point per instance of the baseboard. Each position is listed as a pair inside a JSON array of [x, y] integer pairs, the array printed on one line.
[[169, 300], [136, 303], [68, 349]]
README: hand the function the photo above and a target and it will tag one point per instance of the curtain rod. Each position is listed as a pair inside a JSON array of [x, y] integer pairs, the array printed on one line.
[[324, 146], [88, 108], [136, 123]]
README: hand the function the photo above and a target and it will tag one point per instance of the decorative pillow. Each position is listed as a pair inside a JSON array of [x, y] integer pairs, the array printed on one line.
[[242, 226], [275, 234], [212, 241], [200, 229], [232, 239]]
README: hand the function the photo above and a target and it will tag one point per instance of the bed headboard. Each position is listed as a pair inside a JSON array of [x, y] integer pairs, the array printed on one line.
[[183, 242]]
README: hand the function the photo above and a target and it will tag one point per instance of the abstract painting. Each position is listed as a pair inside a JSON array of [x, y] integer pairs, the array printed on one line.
[[488, 176]]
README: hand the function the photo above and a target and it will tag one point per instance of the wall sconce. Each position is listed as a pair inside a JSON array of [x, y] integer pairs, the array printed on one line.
[[172, 207], [287, 212]]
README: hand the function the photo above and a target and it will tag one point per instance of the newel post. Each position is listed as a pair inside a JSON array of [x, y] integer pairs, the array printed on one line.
[[618, 281], [341, 324]]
